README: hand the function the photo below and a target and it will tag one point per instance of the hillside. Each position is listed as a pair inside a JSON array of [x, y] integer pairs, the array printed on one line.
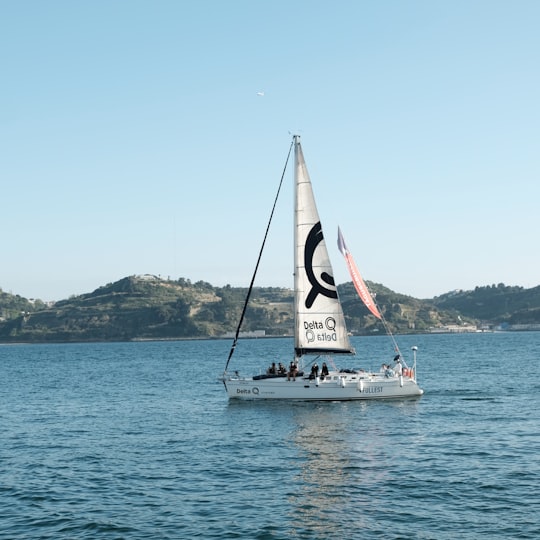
[[505, 304], [146, 307]]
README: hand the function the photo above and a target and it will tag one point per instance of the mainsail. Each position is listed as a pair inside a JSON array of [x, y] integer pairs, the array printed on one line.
[[320, 324], [358, 282]]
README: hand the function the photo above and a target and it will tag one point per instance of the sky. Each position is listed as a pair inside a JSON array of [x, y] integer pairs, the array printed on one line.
[[149, 137]]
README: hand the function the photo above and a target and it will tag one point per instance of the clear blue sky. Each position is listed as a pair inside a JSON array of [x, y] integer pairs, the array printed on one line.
[[133, 140]]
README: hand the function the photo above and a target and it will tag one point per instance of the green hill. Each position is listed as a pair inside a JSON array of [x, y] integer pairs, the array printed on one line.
[[505, 304], [13, 305], [147, 307]]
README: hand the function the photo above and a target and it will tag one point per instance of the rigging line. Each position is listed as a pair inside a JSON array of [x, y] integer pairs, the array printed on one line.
[[389, 332], [233, 347], [386, 326]]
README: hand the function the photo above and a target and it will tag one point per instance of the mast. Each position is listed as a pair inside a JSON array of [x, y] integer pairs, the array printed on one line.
[[296, 143]]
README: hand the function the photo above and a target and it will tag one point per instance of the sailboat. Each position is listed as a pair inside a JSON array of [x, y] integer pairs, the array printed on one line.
[[320, 333]]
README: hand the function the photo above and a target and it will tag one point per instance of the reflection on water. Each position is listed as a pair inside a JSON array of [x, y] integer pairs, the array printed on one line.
[[344, 460]]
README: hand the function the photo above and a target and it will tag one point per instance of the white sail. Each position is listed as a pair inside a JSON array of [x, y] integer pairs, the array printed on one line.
[[320, 325]]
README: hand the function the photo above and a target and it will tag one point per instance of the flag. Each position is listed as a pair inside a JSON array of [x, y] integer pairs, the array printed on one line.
[[357, 280]]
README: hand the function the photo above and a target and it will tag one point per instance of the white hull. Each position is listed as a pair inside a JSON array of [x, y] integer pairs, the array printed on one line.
[[336, 387]]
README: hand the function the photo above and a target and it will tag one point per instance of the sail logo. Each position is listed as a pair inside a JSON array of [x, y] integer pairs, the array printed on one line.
[[314, 238], [319, 331]]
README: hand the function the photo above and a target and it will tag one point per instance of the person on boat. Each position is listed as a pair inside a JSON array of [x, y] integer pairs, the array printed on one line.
[[281, 369], [272, 369], [324, 371], [314, 371], [398, 368], [293, 370], [386, 370]]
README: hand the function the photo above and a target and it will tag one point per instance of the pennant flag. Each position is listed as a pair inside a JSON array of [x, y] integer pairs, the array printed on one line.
[[357, 280]]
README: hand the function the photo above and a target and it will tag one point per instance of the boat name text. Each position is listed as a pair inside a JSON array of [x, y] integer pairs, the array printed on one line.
[[372, 390], [254, 390]]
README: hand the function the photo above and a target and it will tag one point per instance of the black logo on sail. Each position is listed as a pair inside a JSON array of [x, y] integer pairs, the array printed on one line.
[[315, 237]]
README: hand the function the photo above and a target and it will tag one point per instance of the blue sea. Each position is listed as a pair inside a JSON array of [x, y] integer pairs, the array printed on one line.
[[138, 440]]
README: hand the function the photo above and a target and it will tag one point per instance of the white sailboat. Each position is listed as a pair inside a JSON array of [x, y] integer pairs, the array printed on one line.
[[320, 333]]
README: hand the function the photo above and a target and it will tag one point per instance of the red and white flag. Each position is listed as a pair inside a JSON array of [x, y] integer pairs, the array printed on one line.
[[357, 280]]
